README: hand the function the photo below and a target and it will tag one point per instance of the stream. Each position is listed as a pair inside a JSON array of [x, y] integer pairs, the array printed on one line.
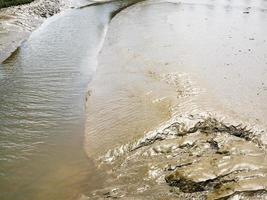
[[42, 109], [156, 100]]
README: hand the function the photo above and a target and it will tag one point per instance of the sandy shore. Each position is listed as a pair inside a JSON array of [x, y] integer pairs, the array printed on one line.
[[17, 22]]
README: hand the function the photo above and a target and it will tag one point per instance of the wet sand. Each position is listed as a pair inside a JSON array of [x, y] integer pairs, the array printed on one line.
[[177, 102]]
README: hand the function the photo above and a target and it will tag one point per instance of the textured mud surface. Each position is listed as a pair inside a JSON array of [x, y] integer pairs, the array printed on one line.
[[16, 23], [194, 156], [197, 154], [210, 147]]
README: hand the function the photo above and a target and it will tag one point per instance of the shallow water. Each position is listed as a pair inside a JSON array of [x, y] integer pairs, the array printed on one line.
[[42, 87]]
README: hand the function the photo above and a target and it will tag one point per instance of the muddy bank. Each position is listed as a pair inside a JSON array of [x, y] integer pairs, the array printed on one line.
[[5, 4], [174, 113], [193, 156], [199, 153], [17, 22]]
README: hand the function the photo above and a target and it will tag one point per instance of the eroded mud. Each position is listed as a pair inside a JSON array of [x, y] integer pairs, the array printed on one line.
[[193, 156], [196, 154]]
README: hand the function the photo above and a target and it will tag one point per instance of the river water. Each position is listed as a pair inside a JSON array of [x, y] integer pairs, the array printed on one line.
[[155, 61], [42, 87]]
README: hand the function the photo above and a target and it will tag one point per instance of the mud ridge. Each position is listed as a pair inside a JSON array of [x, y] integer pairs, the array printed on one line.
[[179, 128], [192, 156], [122, 5]]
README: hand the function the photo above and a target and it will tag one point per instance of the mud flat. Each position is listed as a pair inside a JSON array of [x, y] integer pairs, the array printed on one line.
[[17, 22], [176, 109]]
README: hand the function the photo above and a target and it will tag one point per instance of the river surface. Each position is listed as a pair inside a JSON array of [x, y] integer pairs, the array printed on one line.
[[154, 64], [42, 87]]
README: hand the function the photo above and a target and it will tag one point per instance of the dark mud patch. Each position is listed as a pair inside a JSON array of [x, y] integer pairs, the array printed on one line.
[[122, 5], [13, 54], [176, 179], [125, 6], [94, 4]]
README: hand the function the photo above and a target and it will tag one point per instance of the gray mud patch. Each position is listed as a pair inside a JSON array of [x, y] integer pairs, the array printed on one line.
[[194, 156]]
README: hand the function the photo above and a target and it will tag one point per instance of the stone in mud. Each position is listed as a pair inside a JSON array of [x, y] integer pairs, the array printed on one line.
[[185, 185]]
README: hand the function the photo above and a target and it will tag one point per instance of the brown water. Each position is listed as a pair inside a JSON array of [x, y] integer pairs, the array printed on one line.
[[42, 87], [195, 63]]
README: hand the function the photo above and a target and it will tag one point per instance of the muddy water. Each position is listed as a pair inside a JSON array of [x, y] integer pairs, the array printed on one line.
[[42, 88], [192, 76], [177, 102]]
